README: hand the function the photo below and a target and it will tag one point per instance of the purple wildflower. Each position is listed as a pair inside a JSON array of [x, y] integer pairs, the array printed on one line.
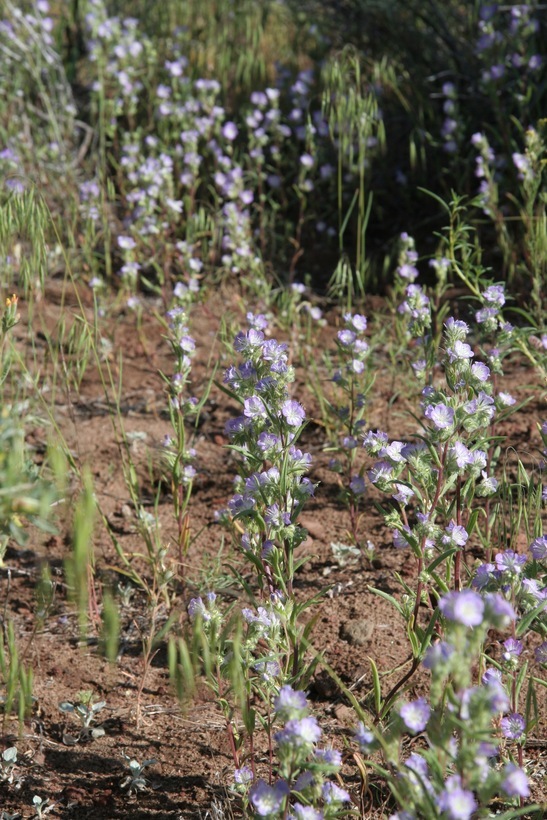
[[358, 321], [306, 813], [415, 715], [482, 404], [456, 802], [243, 776], [290, 703], [254, 408], [264, 619], [393, 452], [197, 609], [498, 700], [400, 540], [365, 738], [403, 494], [293, 412], [304, 780], [247, 343], [506, 399], [257, 321], [346, 337], [127, 243], [374, 441], [540, 653], [485, 314], [515, 782], [230, 131], [268, 670], [530, 587], [441, 415], [276, 517], [461, 455], [465, 607], [485, 575], [240, 504], [538, 548], [381, 471], [267, 800], [510, 562], [459, 351], [488, 485], [513, 726], [330, 757], [492, 676], [456, 327], [498, 611], [438, 654], [299, 732], [357, 485], [418, 772], [495, 294], [331, 793], [268, 441], [480, 371], [456, 535], [513, 649]]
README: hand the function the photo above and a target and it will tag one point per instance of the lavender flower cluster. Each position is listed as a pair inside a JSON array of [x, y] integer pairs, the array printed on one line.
[[505, 44], [177, 454], [30, 59], [352, 381], [273, 489], [304, 768], [456, 420], [416, 306], [459, 770]]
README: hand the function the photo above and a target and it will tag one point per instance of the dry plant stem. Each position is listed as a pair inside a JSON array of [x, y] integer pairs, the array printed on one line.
[[295, 660], [38, 622], [251, 741], [229, 727], [270, 747], [489, 470], [261, 221], [297, 243], [6, 599], [416, 661], [390, 697], [458, 556], [440, 478], [148, 657], [94, 614], [269, 578], [183, 536]]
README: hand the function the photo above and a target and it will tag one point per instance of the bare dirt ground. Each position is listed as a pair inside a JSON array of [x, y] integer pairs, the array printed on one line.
[[194, 765]]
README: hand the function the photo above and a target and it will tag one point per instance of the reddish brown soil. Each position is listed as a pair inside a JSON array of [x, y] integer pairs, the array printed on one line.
[[194, 765]]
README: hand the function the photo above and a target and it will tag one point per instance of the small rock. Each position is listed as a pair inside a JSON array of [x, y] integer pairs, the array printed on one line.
[[345, 714]]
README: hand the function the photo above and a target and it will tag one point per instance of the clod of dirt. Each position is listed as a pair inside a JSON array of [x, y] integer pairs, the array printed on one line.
[[357, 633]]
